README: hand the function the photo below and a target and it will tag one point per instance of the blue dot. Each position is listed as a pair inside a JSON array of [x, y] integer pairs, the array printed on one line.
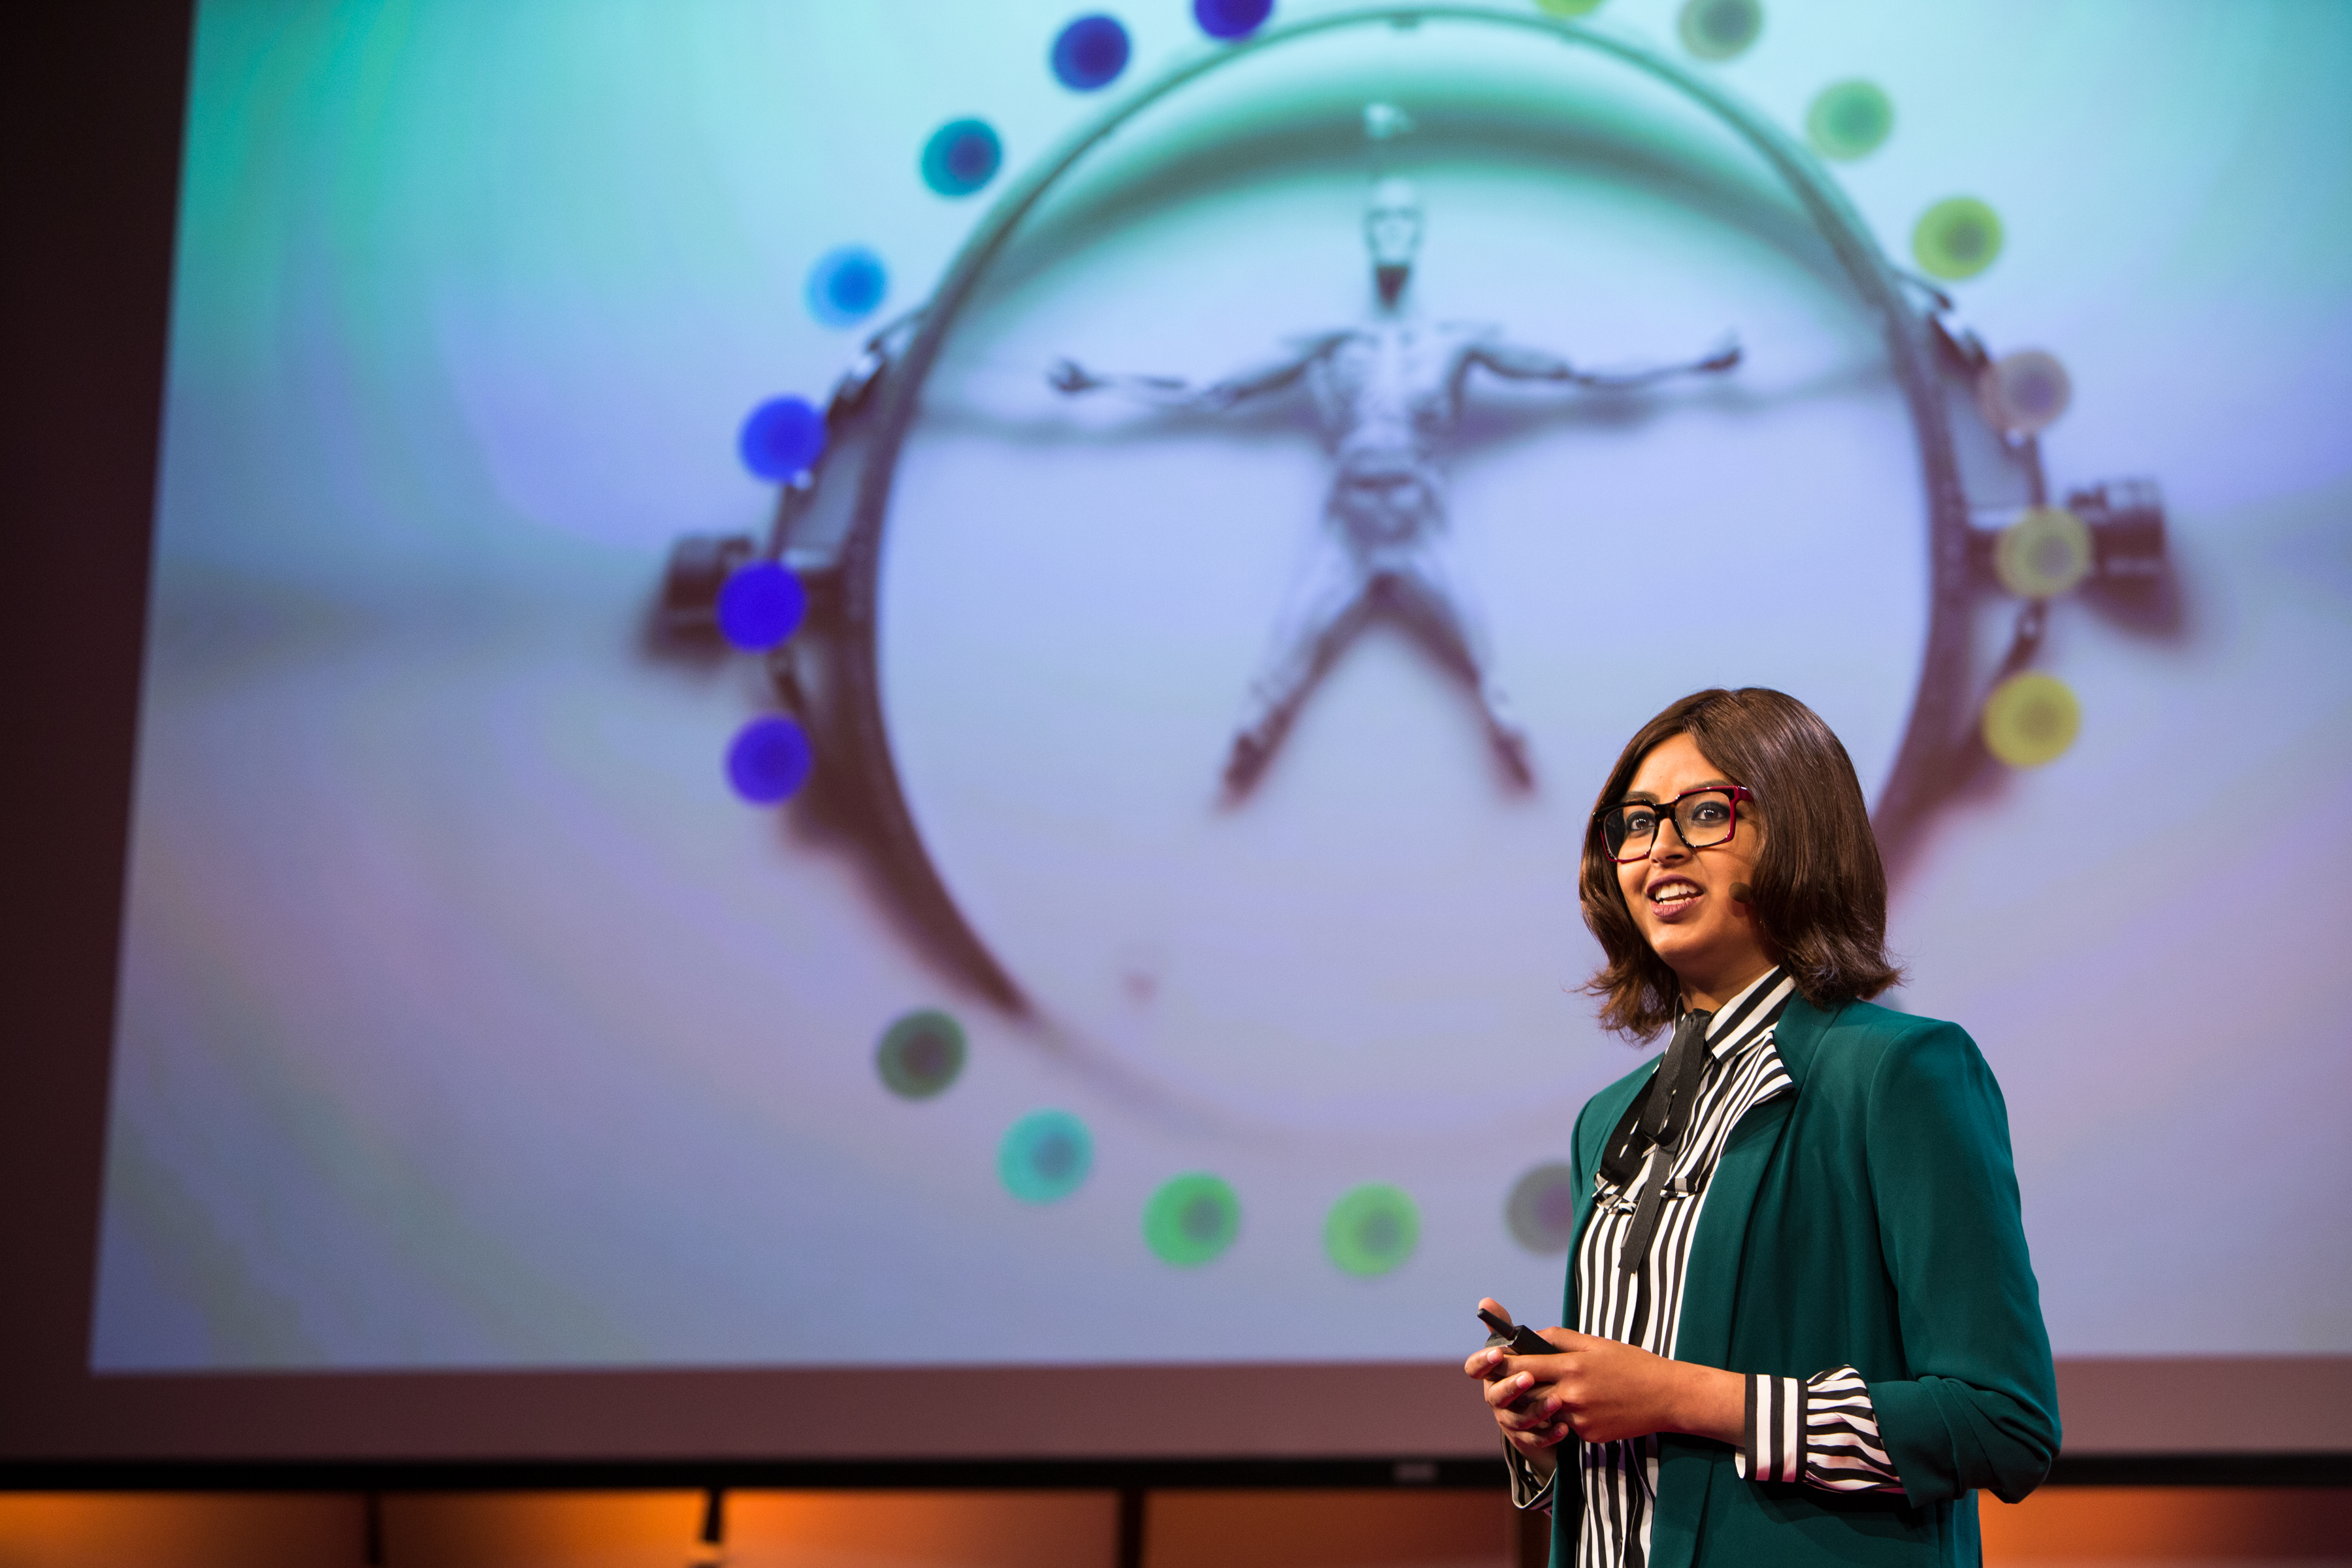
[[1045, 1156], [961, 156], [770, 760], [846, 285], [783, 439], [760, 606], [1090, 53], [1231, 18]]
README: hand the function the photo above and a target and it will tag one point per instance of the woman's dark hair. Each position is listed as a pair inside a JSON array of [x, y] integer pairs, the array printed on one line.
[[1820, 889]]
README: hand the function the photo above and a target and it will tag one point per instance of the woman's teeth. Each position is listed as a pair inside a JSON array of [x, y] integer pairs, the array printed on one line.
[[1681, 892]]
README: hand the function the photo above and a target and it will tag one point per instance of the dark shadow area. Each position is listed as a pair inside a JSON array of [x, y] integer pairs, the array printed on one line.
[[680, 625], [2149, 605], [92, 122]]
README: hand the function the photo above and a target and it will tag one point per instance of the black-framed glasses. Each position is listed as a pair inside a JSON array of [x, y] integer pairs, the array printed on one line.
[[1702, 819]]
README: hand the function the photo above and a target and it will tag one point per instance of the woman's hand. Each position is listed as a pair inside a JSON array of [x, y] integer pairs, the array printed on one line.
[[1605, 1392], [1527, 1426]]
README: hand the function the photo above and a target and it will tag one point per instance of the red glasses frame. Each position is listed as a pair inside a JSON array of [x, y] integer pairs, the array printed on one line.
[[1665, 810]]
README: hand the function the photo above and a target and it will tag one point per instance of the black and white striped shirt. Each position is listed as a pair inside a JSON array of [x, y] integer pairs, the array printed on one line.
[[1819, 1431]]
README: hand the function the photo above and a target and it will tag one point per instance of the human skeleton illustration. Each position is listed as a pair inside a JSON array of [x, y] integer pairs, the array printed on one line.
[[1388, 395]]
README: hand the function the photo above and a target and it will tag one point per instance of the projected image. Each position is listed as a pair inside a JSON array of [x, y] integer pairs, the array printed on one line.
[[1388, 396], [981, 741], [1217, 1003]]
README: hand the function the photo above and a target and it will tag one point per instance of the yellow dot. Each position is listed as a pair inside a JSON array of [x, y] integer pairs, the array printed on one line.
[[2030, 719], [1957, 238], [2045, 553]]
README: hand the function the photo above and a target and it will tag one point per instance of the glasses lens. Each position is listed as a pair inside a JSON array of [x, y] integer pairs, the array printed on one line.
[[1704, 818], [1628, 830]]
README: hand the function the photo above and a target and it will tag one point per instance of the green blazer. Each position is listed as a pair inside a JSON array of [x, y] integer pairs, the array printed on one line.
[[1869, 1219]]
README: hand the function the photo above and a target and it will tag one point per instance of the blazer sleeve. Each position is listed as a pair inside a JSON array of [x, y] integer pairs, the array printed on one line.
[[1980, 1409]]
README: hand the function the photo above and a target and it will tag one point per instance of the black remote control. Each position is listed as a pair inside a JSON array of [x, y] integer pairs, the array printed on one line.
[[1522, 1341]]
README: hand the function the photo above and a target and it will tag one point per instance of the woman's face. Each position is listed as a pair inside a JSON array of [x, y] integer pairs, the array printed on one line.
[[1681, 898]]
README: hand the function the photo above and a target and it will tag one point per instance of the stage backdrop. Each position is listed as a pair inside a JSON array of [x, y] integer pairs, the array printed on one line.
[[991, 935]]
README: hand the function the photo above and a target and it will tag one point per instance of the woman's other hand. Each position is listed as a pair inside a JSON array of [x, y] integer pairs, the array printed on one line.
[[1532, 1421], [1530, 1425], [1605, 1392]]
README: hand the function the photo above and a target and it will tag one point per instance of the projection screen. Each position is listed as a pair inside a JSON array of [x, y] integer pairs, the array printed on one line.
[[735, 817]]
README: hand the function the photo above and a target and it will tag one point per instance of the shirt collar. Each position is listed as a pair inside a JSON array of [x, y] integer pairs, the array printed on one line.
[[1749, 1015]]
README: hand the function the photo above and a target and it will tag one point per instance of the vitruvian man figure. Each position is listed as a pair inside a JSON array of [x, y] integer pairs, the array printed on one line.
[[1388, 394]]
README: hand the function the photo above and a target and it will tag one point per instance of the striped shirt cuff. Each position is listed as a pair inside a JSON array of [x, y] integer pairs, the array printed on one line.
[[1528, 1489], [1821, 1432]]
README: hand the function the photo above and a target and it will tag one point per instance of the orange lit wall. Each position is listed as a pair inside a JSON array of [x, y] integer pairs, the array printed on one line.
[[2111, 1527]]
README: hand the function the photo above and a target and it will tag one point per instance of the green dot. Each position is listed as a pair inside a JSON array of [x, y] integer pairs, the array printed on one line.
[[1045, 1156], [1191, 1220], [920, 1054], [1372, 1229], [1849, 119], [1957, 238], [1568, 8], [1719, 30]]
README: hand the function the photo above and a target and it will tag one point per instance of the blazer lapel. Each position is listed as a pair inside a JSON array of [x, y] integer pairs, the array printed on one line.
[[1713, 1274], [1688, 1465]]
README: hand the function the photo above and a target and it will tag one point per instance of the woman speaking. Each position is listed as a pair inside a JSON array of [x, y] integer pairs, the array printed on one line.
[[1805, 1328]]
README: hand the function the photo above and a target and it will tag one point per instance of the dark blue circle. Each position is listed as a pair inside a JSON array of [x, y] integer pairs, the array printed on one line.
[[961, 156], [770, 760], [1231, 18], [846, 285], [1090, 53], [760, 606], [783, 439]]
